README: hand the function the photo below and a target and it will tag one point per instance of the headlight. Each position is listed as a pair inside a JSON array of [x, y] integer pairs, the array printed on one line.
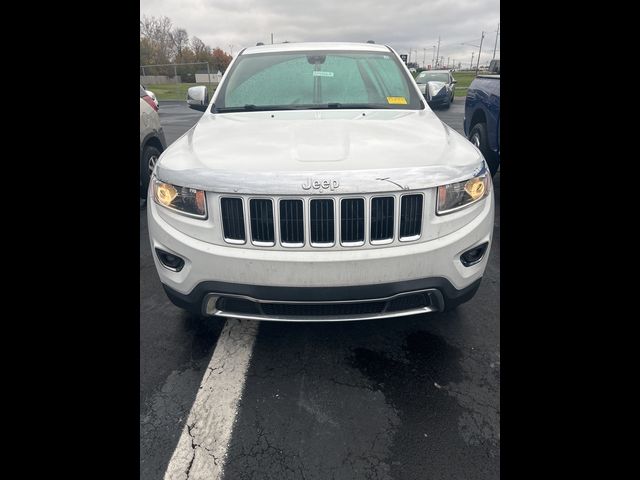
[[435, 87], [188, 201], [455, 196]]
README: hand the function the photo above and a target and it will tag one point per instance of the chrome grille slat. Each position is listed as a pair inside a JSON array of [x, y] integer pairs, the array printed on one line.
[[352, 221], [232, 219], [291, 222], [382, 213], [262, 226], [322, 221], [411, 217]]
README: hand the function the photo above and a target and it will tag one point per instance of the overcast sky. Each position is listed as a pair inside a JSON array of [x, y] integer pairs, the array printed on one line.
[[402, 24]]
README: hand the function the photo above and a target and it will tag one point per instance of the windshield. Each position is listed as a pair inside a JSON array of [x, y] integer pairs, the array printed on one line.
[[425, 77], [316, 79]]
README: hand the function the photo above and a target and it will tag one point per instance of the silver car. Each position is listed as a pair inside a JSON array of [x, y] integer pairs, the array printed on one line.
[[437, 86], [152, 141]]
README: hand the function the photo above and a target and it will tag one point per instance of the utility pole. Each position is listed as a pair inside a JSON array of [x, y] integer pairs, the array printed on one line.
[[272, 39], [478, 64], [496, 44], [471, 65], [438, 53]]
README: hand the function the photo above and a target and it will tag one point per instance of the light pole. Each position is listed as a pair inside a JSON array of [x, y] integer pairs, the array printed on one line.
[[478, 64]]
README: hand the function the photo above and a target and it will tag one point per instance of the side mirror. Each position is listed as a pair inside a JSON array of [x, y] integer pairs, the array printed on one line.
[[198, 98], [454, 81]]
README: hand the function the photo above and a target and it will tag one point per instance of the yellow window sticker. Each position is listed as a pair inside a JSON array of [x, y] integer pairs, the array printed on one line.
[[397, 100]]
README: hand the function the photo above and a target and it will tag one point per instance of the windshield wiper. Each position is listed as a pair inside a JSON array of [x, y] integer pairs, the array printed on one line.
[[336, 105], [357, 105], [251, 108]]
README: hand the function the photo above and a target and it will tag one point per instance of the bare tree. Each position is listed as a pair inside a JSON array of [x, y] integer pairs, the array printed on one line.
[[180, 39], [200, 50], [157, 32]]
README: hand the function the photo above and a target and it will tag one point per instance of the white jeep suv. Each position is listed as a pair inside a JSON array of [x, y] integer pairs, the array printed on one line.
[[318, 185]]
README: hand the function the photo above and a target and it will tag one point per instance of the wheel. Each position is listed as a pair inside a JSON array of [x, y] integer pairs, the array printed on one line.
[[478, 136], [453, 95], [448, 104], [150, 156]]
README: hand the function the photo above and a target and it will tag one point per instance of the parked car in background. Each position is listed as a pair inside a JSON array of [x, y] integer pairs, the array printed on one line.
[[152, 141], [152, 96], [482, 117], [281, 202], [437, 86]]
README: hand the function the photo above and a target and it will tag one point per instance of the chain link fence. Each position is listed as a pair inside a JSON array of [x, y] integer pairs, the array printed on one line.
[[171, 81]]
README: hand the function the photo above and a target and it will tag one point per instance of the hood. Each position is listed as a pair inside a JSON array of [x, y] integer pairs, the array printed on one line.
[[249, 151], [435, 87]]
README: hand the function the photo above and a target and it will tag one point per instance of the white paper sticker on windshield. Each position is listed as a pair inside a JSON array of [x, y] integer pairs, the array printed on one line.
[[322, 74]]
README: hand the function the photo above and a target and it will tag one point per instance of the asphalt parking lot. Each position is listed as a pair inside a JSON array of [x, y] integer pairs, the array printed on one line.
[[407, 398]]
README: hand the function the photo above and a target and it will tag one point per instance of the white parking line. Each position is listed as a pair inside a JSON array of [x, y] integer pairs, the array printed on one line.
[[202, 448]]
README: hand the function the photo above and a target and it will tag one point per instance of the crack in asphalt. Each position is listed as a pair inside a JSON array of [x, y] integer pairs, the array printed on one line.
[[201, 449]]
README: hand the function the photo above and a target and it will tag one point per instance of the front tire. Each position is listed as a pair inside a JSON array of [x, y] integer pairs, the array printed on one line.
[[150, 156], [479, 137]]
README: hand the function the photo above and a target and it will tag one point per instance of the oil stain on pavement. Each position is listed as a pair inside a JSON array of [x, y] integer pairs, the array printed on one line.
[[372, 400], [437, 433]]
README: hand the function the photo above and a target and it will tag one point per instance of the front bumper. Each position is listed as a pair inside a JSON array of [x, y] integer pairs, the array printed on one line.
[[437, 101], [258, 302], [431, 268]]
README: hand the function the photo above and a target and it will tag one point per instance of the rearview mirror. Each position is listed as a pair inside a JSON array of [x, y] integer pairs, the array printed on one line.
[[198, 98]]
